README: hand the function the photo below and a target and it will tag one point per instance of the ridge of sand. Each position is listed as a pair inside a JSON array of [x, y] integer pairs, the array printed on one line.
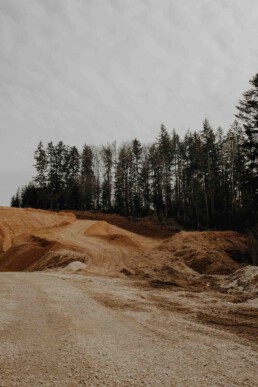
[[17, 221], [38, 240], [210, 252]]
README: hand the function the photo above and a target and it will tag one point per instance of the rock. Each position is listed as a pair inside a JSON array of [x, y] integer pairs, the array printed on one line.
[[75, 266]]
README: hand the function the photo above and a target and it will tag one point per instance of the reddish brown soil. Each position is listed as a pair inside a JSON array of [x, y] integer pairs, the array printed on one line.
[[212, 252], [37, 240], [174, 311], [143, 226]]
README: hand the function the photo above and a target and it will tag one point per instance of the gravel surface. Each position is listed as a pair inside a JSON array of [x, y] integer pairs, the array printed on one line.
[[74, 330]]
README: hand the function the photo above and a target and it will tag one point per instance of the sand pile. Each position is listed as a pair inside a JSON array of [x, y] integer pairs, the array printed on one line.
[[187, 258], [39, 240], [20, 248], [17, 222], [142, 226], [100, 228], [213, 252], [21, 256], [113, 234], [35, 253], [244, 279]]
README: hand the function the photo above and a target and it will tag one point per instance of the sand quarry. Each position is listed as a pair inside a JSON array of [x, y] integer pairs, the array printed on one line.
[[97, 300]]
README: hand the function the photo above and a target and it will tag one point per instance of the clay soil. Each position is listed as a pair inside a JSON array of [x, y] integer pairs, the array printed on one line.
[[144, 226], [88, 303]]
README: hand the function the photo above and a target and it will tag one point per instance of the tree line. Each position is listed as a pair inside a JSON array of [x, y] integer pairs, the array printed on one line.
[[206, 179]]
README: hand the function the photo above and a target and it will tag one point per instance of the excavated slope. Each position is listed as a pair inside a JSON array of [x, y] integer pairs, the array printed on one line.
[[16, 222], [38, 240], [211, 252]]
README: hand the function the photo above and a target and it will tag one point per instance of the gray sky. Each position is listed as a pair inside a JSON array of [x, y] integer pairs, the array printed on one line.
[[95, 71]]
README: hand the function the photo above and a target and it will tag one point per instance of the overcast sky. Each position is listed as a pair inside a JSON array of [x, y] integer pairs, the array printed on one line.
[[95, 71]]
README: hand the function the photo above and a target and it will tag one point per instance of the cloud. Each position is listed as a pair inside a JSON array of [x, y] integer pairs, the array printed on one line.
[[91, 71]]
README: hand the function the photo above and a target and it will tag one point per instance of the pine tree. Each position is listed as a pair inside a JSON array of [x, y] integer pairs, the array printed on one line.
[[97, 177], [71, 178], [135, 178], [248, 115], [145, 181], [210, 167], [16, 200], [29, 196], [234, 174], [107, 153], [156, 179], [165, 160], [124, 186], [87, 178], [56, 173], [40, 157], [40, 179], [192, 173], [71, 165], [178, 200]]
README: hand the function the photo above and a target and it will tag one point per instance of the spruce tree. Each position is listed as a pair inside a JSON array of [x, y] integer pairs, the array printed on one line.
[[124, 185], [248, 115], [71, 176], [145, 181], [87, 178], [135, 178], [40, 179], [107, 156], [156, 179], [16, 200], [56, 174], [165, 160]]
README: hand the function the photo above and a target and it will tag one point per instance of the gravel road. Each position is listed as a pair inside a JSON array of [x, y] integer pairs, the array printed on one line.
[[74, 330]]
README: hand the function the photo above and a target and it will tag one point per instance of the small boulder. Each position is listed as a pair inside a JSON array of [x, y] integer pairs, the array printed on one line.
[[75, 266]]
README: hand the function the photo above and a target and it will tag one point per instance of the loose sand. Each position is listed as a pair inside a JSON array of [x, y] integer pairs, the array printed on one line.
[[73, 330], [180, 311], [37, 240]]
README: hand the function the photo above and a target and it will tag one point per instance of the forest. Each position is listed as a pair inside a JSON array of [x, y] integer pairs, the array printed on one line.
[[207, 179]]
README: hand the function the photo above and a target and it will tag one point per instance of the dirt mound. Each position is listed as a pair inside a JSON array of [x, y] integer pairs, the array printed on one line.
[[101, 228], [39, 240], [208, 252], [142, 226], [22, 241], [187, 259], [113, 234], [124, 240], [20, 257], [245, 279], [16, 221], [36, 253]]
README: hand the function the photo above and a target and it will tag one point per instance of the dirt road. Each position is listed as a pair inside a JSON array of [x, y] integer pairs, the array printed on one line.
[[74, 330]]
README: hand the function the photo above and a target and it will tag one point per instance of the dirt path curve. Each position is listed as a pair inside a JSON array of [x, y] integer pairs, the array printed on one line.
[[107, 248], [65, 330], [76, 233]]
